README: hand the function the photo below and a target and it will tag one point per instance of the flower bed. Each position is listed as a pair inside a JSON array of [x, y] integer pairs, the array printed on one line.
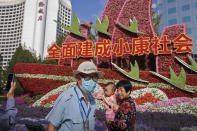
[[164, 61], [161, 102], [24, 68], [146, 98], [171, 104], [46, 100], [41, 78], [147, 120], [37, 86]]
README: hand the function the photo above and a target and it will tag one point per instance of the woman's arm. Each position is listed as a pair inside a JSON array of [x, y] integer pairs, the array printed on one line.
[[124, 114]]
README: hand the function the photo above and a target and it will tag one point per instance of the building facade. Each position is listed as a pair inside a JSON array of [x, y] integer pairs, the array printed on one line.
[[11, 23], [31, 23], [39, 28], [178, 12]]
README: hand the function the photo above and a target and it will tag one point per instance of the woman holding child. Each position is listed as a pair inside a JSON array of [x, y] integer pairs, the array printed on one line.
[[125, 114]]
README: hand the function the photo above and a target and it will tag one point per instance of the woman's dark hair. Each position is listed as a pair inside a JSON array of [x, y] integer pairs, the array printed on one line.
[[124, 83]]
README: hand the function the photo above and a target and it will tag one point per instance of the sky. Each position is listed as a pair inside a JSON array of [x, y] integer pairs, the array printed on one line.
[[87, 10]]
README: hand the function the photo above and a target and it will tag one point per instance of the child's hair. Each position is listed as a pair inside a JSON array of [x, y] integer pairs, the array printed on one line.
[[125, 84], [111, 83]]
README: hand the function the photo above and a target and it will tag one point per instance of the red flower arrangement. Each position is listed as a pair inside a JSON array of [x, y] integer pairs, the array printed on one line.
[[112, 9], [41, 86], [171, 93], [51, 98], [164, 61], [22, 68], [37, 86], [146, 98]]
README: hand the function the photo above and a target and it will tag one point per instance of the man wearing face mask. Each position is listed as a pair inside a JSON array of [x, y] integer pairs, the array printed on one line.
[[74, 110]]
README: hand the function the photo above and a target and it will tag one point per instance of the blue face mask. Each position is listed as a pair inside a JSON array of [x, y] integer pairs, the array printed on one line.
[[88, 86]]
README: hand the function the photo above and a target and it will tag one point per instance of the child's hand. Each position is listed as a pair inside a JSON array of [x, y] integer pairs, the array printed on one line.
[[115, 108], [107, 121]]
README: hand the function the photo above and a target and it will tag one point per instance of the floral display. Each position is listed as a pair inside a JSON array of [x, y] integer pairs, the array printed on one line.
[[146, 98], [41, 78], [174, 105], [51, 98], [112, 14], [164, 61], [148, 95], [159, 105], [154, 99]]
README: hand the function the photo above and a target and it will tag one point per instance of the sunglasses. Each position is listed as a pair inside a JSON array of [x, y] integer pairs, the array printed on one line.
[[89, 77]]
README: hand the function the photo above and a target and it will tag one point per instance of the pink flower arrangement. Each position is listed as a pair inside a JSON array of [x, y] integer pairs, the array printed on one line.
[[167, 103]]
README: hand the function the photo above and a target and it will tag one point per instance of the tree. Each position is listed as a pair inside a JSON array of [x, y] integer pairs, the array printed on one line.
[[21, 55], [93, 36], [61, 38], [1, 70], [156, 22]]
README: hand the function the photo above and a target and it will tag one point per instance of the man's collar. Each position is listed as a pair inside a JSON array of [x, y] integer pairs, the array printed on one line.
[[80, 95]]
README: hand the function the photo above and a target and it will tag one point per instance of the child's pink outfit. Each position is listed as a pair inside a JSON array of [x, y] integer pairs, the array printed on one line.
[[109, 103]]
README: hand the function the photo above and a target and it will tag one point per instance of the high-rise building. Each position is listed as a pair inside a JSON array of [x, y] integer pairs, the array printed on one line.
[[177, 12], [39, 28], [11, 21], [31, 22]]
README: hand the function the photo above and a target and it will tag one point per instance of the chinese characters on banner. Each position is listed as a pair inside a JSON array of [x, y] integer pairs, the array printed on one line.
[[140, 46], [40, 10]]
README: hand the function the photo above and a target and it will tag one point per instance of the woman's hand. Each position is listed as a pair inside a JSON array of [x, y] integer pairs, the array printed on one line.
[[107, 121], [10, 93]]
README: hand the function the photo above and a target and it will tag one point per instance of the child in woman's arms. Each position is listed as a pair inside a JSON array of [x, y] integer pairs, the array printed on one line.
[[108, 96]]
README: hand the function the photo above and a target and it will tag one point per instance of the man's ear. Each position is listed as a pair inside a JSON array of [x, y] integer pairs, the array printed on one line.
[[77, 77], [79, 82]]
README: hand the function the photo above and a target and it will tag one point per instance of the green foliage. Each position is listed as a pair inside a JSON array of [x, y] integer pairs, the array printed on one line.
[[133, 26], [46, 61], [156, 22], [193, 65], [101, 27], [180, 80], [37, 97], [1, 71], [177, 81], [75, 26], [27, 99], [133, 74], [93, 36], [22, 55], [61, 38], [3, 98]]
